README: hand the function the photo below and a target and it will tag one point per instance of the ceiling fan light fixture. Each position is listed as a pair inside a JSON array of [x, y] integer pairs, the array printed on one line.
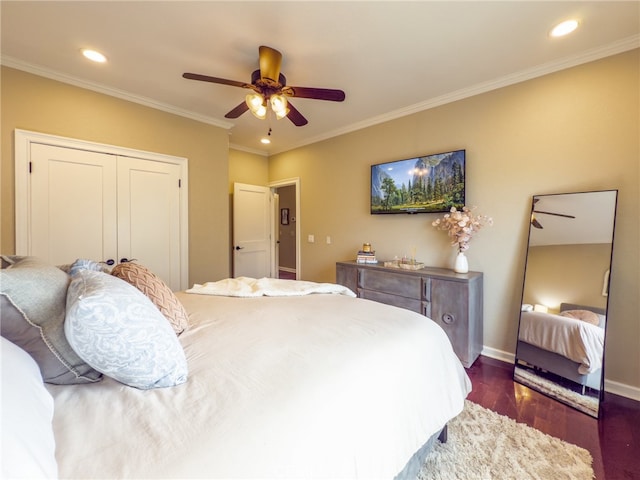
[[279, 106], [256, 104], [260, 113]]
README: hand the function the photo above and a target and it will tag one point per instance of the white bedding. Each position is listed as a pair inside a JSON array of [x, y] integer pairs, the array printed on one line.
[[317, 386], [270, 287], [577, 340]]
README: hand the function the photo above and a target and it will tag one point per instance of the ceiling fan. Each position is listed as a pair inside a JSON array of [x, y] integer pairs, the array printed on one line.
[[269, 87], [534, 220]]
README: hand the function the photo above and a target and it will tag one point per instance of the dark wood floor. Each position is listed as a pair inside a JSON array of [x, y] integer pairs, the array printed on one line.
[[613, 439], [286, 275]]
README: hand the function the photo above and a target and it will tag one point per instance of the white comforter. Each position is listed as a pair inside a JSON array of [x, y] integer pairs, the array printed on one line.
[[579, 341], [269, 287], [317, 386]]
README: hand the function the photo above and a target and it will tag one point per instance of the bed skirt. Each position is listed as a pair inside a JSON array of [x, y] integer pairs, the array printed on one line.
[[413, 466]]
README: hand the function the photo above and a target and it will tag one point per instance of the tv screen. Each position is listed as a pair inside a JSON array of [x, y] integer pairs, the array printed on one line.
[[428, 184]]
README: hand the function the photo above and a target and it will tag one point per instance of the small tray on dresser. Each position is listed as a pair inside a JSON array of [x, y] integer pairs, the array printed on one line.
[[411, 265]]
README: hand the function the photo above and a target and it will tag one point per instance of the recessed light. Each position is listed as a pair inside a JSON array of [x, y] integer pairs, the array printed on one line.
[[94, 55], [564, 28], [265, 140]]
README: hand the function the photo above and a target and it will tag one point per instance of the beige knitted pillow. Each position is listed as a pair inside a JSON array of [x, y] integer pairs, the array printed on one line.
[[158, 292], [584, 315]]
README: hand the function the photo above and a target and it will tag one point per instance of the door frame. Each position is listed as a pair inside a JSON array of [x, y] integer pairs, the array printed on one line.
[[286, 183], [22, 144]]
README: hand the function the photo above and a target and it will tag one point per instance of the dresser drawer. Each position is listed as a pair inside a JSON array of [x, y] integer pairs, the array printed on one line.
[[391, 283], [395, 300]]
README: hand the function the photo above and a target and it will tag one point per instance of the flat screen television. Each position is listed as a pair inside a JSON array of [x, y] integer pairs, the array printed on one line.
[[427, 184]]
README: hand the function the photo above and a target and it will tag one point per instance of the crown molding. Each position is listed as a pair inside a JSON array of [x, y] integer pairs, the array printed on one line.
[[113, 92], [242, 148], [594, 54]]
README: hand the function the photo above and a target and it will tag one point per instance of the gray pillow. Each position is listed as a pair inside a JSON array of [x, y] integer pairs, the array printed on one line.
[[33, 300], [118, 331]]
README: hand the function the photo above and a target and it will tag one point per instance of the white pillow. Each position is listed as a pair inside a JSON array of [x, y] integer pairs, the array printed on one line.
[[28, 444], [118, 331]]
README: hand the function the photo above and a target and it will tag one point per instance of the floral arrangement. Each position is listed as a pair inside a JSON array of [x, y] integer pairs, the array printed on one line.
[[461, 225]]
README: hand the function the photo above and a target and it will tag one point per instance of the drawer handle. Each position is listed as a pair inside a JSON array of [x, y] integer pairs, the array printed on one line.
[[448, 318]]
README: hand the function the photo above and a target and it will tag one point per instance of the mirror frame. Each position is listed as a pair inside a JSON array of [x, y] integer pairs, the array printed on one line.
[[538, 377]]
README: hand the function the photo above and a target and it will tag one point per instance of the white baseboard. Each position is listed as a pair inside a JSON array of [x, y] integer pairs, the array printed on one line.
[[498, 355], [287, 269], [622, 389], [617, 388]]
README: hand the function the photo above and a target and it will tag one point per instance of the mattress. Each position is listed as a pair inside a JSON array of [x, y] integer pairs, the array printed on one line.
[[314, 386]]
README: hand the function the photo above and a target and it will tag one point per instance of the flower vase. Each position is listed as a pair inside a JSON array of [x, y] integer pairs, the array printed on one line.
[[461, 265]]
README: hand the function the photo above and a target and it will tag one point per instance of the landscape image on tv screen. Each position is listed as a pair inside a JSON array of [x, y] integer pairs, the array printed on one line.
[[428, 184]]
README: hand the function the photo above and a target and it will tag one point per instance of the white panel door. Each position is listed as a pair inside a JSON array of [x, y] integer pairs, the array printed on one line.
[[251, 231], [149, 216], [73, 205]]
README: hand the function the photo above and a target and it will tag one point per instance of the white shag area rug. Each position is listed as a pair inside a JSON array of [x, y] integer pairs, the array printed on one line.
[[484, 445]]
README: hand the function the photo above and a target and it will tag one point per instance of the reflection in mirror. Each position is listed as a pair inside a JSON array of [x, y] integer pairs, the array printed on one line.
[[561, 336]]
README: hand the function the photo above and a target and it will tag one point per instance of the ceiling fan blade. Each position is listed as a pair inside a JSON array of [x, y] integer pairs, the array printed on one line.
[[270, 62], [536, 223], [239, 110], [296, 117], [315, 93], [223, 81], [555, 214]]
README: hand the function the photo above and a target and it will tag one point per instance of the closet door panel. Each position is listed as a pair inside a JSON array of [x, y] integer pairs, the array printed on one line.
[[149, 216], [73, 204]]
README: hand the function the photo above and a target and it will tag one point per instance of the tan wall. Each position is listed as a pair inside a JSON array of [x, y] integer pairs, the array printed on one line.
[[566, 274], [35, 103], [248, 168], [575, 130]]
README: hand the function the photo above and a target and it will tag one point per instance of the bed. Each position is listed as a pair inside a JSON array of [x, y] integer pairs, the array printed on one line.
[[564, 344], [299, 380]]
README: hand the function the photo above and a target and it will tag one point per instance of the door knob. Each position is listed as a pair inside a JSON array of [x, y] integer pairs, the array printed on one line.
[[239, 247]]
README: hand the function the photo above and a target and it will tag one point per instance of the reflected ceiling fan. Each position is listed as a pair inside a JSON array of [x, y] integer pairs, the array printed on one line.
[[270, 88], [534, 220]]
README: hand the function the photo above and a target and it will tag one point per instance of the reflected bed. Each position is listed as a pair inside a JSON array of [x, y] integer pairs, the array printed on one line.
[[568, 347]]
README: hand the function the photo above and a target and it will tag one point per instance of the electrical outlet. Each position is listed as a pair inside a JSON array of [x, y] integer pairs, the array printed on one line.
[[328, 240], [311, 239]]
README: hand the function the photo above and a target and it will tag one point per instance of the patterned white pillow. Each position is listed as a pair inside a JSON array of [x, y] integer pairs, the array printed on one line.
[[116, 329]]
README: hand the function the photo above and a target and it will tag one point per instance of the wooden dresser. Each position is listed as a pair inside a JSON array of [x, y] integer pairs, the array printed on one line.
[[452, 300]]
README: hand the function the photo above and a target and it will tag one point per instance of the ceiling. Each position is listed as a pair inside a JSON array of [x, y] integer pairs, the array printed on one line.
[[594, 220], [391, 58]]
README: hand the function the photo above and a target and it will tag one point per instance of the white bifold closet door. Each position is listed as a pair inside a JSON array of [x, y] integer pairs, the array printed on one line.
[[102, 206]]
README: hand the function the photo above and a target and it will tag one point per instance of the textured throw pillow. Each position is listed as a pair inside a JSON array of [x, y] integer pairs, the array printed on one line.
[[157, 291], [119, 332], [32, 300], [584, 315]]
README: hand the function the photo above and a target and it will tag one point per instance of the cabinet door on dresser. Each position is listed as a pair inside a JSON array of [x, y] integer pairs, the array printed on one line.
[[347, 276], [455, 307]]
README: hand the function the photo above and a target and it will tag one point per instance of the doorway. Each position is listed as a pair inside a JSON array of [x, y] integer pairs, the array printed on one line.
[[288, 228]]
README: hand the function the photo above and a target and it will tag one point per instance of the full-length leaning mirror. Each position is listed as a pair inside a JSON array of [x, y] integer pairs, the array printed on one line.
[[563, 318]]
